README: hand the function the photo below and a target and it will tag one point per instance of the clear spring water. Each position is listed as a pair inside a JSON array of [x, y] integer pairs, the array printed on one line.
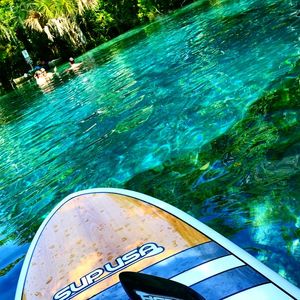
[[182, 109]]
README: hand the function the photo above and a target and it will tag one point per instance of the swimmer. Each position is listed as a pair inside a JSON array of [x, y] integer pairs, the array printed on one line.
[[47, 75], [42, 77], [73, 65], [71, 61]]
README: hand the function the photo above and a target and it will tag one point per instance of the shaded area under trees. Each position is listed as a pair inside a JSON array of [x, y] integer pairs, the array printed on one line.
[[61, 28]]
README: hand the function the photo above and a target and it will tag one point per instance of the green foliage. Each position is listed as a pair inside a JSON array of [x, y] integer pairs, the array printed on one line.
[[7, 21], [146, 10], [52, 28]]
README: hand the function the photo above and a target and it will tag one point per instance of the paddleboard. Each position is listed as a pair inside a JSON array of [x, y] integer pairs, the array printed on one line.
[[94, 238]]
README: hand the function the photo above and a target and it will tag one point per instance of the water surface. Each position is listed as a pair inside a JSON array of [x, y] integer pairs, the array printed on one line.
[[198, 109]]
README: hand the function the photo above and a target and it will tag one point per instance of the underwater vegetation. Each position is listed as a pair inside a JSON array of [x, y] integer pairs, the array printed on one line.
[[249, 176]]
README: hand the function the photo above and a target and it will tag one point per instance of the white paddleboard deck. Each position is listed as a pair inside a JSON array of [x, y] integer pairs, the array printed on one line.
[[93, 235]]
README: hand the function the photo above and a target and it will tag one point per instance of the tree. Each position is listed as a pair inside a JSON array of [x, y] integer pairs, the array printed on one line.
[[67, 27]]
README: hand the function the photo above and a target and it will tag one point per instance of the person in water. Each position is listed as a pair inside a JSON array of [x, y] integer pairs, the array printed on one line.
[[71, 61], [42, 77], [74, 65]]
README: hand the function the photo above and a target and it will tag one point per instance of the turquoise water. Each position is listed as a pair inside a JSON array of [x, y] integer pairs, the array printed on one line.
[[182, 109]]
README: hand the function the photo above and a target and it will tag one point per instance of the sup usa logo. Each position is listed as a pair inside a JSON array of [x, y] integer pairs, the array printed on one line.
[[108, 269]]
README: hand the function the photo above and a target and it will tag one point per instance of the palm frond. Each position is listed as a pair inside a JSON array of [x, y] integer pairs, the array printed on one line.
[[33, 21], [6, 33]]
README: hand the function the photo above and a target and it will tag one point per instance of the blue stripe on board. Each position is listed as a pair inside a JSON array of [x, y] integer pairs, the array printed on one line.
[[116, 292], [186, 260], [172, 266], [229, 283]]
